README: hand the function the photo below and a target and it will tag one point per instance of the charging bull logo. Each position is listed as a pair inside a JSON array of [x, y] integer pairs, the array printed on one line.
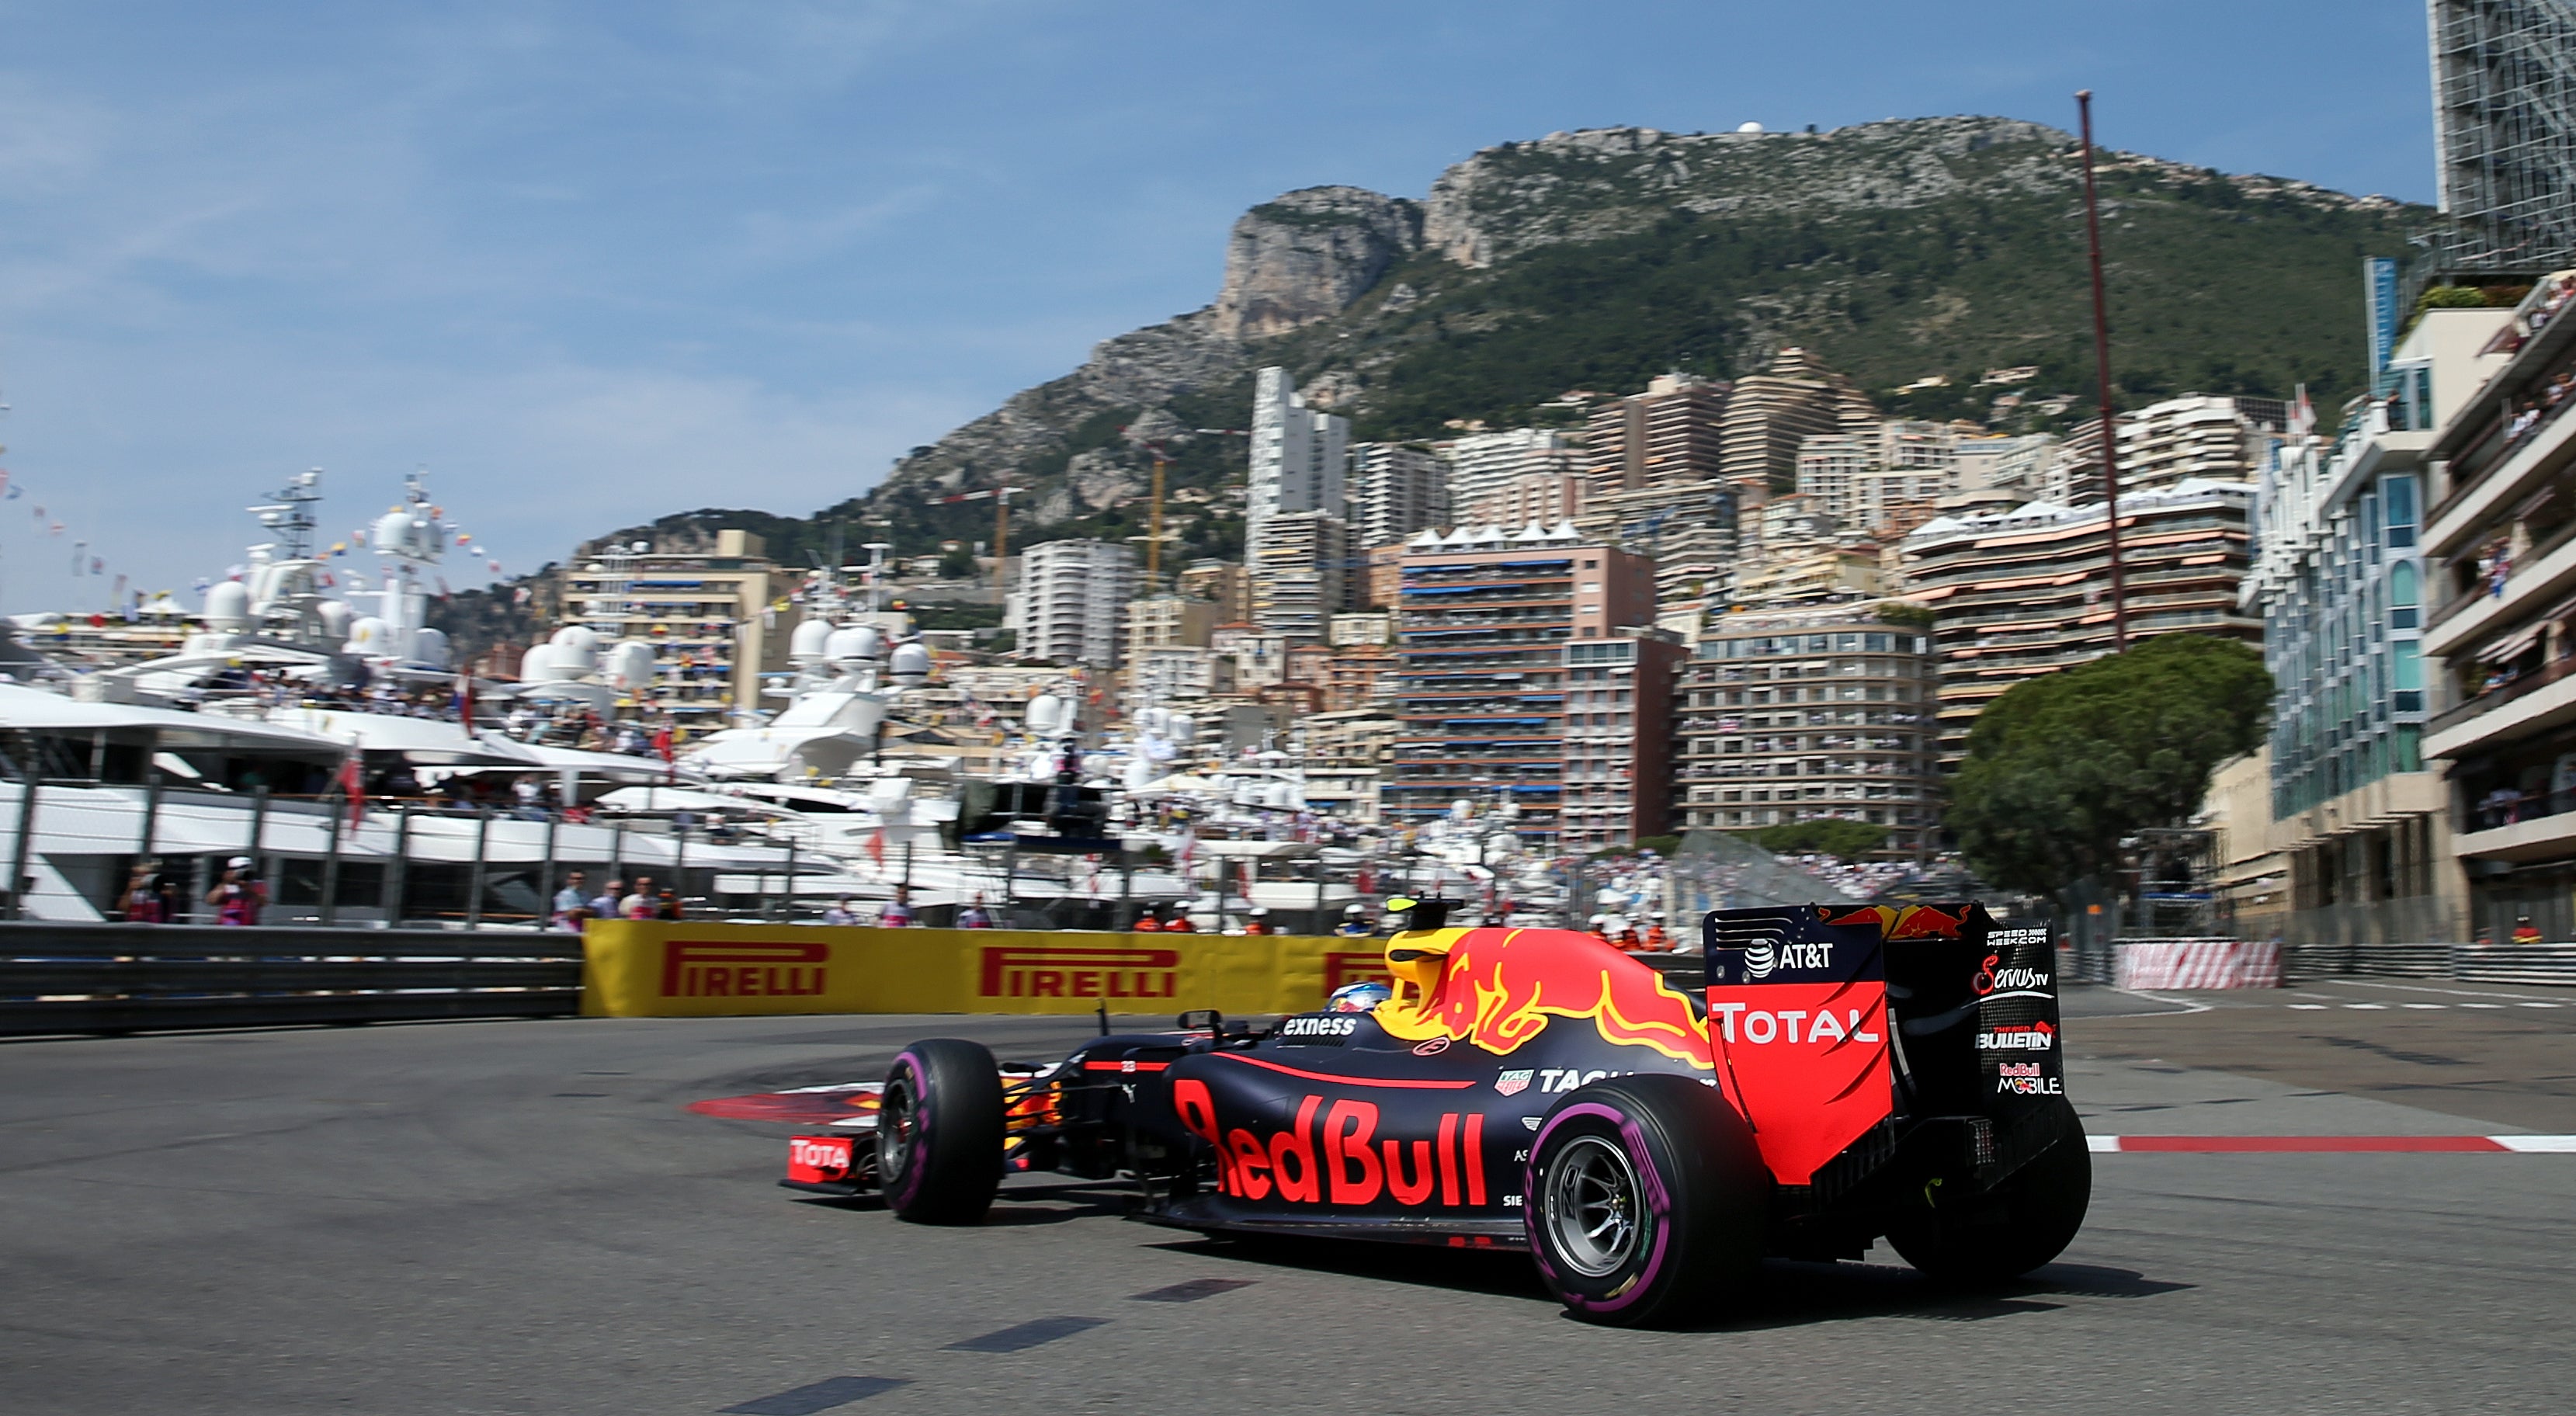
[[1497, 988], [1906, 921], [702, 969]]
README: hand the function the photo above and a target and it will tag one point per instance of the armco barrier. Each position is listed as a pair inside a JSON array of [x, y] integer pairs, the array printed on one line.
[[2197, 963], [69, 978], [638, 968]]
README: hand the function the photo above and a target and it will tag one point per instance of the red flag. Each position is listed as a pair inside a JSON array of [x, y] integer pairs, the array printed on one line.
[[662, 748], [353, 790], [876, 847]]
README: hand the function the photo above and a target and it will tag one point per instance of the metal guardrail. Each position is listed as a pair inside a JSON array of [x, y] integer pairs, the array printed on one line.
[[93, 978], [2546, 964]]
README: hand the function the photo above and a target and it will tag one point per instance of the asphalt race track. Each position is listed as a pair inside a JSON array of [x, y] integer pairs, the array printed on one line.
[[521, 1217]]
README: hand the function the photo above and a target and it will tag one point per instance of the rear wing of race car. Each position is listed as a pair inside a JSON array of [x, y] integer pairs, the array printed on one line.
[[1834, 1027]]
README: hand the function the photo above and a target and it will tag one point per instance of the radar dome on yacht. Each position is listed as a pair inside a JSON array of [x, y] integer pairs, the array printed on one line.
[[805, 646], [856, 644], [430, 647], [630, 665], [910, 663], [228, 606], [542, 664], [368, 635], [335, 616], [1046, 715], [574, 651]]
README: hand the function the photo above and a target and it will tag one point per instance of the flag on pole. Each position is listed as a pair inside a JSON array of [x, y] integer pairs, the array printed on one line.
[[876, 847], [353, 790]]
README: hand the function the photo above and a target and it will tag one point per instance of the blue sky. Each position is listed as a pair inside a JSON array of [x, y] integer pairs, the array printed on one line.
[[590, 263]]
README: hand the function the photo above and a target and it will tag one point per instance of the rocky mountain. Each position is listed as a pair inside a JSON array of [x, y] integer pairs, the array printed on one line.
[[1897, 251]]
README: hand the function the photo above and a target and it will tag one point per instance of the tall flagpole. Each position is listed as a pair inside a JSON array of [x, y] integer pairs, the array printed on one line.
[[2102, 362]]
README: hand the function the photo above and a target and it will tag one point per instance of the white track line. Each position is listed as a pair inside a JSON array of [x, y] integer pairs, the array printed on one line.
[[2428, 988]]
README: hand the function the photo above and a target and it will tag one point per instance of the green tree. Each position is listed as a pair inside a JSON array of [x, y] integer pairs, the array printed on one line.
[[2060, 768], [1845, 840]]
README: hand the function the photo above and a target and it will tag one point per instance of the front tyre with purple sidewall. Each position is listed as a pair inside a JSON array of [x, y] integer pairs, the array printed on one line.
[[939, 1132], [1645, 1201]]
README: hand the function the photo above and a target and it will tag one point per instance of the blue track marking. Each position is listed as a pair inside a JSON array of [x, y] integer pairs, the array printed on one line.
[[1026, 1335], [819, 1396]]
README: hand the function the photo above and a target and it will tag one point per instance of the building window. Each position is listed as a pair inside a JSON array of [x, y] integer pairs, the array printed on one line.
[[2398, 496], [2401, 595]]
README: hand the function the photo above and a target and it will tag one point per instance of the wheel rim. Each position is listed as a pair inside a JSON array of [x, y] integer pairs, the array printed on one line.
[[895, 1128], [1592, 1207]]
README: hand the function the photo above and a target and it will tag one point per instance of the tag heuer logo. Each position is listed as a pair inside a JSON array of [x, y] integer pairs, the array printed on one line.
[[1513, 1083]]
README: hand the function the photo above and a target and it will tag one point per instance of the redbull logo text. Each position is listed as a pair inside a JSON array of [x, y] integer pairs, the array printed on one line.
[[1499, 987], [1078, 971], [1340, 1159], [709, 970]]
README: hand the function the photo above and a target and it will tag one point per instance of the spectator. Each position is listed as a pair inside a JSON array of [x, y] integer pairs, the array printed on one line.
[[840, 912], [975, 916], [569, 899], [668, 907], [2524, 931], [1179, 923], [604, 905], [1355, 924], [238, 896], [897, 912], [642, 903], [1145, 922], [141, 903], [1259, 923]]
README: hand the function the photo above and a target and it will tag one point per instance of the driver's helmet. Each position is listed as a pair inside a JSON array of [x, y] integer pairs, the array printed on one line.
[[1358, 997]]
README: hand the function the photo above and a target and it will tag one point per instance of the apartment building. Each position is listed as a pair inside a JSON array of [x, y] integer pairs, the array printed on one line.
[[1224, 584], [1687, 529], [706, 614], [1396, 489], [1171, 673], [1071, 602], [1162, 621], [1301, 573], [1770, 416], [1483, 465], [1860, 475], [2027, 591], [2359, 821], [1299, 456], [2499, 543], [1487, 626], [1808, 714], [2163, 444], [1667, 436]]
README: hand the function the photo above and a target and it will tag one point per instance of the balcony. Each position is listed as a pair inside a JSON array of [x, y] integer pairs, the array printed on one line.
[[2548, 571], [2497, 470], [2517, 709]]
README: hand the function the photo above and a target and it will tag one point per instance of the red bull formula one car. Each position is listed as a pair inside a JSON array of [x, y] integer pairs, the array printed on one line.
[[1847, 1074]]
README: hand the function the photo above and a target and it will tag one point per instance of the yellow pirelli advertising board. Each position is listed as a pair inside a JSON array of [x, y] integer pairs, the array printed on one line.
[[658, 969]]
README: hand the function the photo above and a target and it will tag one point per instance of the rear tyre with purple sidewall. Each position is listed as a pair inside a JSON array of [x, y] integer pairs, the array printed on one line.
[[1645, 1201], [939, 1132]]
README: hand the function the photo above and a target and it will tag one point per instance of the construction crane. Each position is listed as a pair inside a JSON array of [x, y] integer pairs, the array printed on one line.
[[1001, 522], [1153, 537]]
